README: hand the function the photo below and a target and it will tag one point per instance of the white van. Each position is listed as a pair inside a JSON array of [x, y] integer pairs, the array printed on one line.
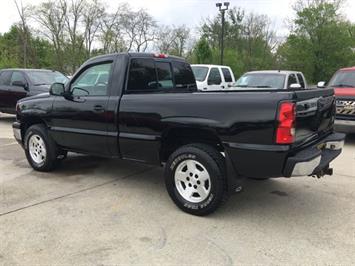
[[213, 77]]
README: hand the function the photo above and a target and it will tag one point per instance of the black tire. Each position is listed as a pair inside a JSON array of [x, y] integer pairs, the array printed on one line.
[[50, 160], [213, 162]]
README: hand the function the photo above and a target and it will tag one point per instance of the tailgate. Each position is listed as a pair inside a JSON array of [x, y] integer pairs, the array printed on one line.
[[315, 114]]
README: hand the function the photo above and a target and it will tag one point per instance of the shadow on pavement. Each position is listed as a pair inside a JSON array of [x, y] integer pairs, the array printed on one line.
[[350, 139], [7, 118], [259, 199]]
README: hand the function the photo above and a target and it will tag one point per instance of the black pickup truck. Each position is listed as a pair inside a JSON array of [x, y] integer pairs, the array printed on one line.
[[146, 108]]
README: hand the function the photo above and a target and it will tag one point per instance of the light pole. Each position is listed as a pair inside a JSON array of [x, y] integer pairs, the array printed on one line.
[[222, 9]]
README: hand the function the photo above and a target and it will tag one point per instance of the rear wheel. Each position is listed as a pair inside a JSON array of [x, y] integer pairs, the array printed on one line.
[[195, 179], [41, 151]]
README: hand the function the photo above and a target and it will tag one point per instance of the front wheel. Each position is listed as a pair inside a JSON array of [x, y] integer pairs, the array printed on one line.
[[40, 149], [195, 179]]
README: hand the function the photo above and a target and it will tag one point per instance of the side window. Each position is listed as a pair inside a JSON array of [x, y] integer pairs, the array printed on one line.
[[5, 77], [93, 81], [214, 77], [301, 80], [291, 80], [17, 76], [142, 75], [165, 77], [227, 75], [184, 77]]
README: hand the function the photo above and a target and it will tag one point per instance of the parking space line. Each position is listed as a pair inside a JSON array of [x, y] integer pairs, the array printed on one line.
[[74, 193]]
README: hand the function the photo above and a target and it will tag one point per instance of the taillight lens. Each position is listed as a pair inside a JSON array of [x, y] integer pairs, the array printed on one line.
[[285, 133]]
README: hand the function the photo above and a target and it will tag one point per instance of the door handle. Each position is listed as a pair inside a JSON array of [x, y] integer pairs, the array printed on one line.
[[99, 108], [222, 87]]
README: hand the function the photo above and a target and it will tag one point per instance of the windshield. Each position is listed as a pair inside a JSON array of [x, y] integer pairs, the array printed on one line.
[[200, 72], [261, 80], [343, 79], [46, 77]]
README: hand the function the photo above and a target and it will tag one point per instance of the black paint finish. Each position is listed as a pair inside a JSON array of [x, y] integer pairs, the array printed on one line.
[[148, 126]]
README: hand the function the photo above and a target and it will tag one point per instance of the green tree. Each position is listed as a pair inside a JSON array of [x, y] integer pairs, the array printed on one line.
[[39, 54], [202, 52], [320, 42], [249, 41]]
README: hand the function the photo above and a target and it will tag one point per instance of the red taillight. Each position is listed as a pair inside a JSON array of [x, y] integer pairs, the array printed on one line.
[[285, 133], [160, 56]]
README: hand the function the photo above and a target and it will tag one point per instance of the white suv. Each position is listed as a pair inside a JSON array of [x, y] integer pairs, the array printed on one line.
[[213, 77]]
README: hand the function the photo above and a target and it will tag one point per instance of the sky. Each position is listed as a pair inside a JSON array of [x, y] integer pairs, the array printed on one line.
[[188, 12]]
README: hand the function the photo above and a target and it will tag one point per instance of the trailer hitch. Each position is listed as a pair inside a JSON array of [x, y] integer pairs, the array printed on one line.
[[323, 172]]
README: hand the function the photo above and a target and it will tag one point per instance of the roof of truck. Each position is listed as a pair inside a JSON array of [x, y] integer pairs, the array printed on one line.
[[207, 65], [152, 55]]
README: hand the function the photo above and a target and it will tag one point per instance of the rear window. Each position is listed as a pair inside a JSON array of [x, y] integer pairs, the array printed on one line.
[[146, 74], [227, 75], [184, 77], [165, 77]]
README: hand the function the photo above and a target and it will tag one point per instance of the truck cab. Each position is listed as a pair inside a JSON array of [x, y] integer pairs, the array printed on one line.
[[213, 77]]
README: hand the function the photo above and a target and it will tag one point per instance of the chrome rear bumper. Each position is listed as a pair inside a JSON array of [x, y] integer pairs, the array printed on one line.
[[315, 159]]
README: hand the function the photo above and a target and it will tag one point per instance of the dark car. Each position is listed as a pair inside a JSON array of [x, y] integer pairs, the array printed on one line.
[[146, 108], [16, 84]]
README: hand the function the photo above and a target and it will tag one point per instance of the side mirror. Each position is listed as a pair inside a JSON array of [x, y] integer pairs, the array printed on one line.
[[295, 86], [20, 83], [79, 92], [321, 84], [57, 89]]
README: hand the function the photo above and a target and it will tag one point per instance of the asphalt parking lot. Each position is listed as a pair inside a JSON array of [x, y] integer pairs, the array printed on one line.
[[100, 211]]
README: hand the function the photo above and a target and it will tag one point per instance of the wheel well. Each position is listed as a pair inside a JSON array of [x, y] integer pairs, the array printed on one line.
[[28, 122], [178, 137]]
